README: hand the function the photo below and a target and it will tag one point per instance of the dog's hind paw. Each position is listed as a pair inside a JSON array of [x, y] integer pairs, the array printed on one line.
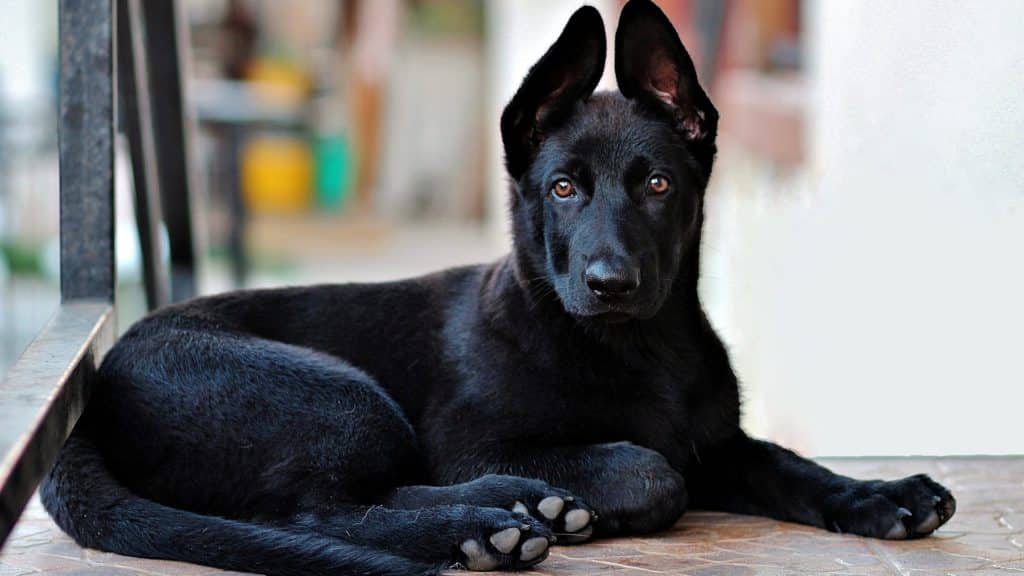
[[515, 547]]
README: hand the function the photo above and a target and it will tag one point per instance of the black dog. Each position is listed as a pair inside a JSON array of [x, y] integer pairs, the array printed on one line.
[[478, 414]]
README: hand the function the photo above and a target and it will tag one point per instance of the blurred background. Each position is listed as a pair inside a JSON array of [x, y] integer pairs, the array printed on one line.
[[863, 253]]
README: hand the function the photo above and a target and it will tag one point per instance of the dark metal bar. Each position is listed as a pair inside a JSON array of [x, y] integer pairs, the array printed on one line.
[[45, 392], [86, 133], [43, 395], [233, 137], [137, 122], [166, 45]]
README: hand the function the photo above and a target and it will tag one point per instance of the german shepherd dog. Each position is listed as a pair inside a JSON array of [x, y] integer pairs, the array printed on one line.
[[475, 416]]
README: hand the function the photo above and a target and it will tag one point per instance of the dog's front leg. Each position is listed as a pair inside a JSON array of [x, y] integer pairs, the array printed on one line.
[[633, 489], [755, 477]]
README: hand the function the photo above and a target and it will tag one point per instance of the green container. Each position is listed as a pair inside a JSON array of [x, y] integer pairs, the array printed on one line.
[[334, 170]]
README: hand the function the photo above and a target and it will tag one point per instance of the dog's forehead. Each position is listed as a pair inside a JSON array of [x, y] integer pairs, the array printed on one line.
[[609, 130]]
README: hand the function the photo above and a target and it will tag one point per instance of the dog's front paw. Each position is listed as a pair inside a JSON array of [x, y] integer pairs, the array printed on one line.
[[909, 508], [570, 518]]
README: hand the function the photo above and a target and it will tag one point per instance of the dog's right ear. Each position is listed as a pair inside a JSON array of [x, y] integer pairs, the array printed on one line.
[[568, 72], [653, 67]]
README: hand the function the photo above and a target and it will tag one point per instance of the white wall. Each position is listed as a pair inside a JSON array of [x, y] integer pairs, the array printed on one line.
[[26, 44], [876, 303]]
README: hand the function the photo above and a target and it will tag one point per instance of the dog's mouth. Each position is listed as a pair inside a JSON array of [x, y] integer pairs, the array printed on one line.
[[617, 313], [611, 317], [608, 314]]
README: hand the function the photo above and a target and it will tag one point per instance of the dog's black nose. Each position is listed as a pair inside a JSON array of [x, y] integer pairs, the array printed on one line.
[[610, 280]]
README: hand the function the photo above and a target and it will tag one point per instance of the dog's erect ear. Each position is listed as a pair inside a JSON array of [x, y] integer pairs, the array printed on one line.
[[652, 66], [568, 72]]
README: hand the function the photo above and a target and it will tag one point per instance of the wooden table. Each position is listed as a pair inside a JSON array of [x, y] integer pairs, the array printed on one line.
[[985, 537]]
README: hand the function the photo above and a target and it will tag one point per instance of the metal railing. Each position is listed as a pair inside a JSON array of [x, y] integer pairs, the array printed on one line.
[[103, 62]]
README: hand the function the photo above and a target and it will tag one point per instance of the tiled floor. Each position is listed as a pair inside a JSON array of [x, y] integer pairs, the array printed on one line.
[[986, 537]]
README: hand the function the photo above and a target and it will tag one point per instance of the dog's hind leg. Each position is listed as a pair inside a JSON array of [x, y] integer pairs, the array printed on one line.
[[476, 537], [235, 430], [95, 509]]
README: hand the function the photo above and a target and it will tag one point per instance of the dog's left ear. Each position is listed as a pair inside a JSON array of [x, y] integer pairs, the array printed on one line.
[[567, 73], [653, 67]]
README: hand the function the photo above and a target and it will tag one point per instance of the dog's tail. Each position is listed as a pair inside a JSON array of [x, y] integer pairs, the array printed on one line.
[[88, 503]]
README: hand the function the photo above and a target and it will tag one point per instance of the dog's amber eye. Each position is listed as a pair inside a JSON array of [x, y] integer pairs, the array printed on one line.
[[563, 188], [657, 184]]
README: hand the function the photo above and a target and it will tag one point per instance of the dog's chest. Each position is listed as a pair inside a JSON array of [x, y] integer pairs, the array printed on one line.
[[580, 404], [542, 390], [648, 407]]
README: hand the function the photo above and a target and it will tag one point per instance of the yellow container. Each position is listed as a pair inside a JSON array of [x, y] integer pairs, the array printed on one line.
[[277, 174]]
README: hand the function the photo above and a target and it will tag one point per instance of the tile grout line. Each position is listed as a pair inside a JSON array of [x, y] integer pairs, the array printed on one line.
[[883, 553], [628, 567]]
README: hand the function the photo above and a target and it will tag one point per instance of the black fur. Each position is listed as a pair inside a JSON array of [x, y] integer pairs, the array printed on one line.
[[393, 428]]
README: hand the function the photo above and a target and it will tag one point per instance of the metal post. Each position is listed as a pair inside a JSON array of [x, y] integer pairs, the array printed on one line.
[[166, 45], [86, 135], [46, 390], [137, 121]]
